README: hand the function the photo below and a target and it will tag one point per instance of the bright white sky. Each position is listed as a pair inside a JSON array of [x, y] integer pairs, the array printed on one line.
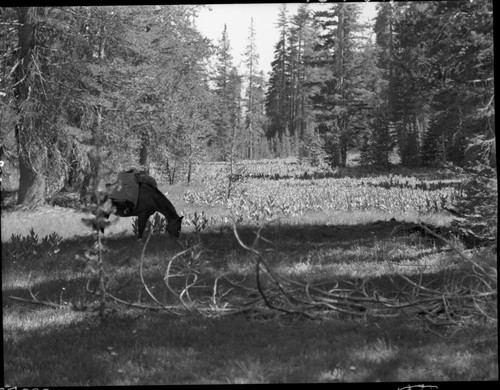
[[211, 19]]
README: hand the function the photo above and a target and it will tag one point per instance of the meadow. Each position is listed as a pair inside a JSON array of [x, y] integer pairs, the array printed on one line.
[[329, 281]]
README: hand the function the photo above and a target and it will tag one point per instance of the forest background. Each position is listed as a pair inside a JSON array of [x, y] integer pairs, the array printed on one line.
[[137, 81]]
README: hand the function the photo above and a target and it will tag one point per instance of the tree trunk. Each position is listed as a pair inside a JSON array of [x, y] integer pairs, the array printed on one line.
[[31, 184], [31, 180], [342, 125], [343, 152], [231, 163], [144, 152], [190, 164]]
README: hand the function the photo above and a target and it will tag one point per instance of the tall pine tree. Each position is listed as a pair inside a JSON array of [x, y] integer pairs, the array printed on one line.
[[254, 98], [335, 94], [278, 92], [224, 66]]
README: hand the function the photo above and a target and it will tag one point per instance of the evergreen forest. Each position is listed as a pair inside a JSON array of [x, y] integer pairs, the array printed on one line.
[[414, 88]]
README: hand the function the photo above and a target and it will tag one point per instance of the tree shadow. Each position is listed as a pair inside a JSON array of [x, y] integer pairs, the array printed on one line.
[[122, 253], [291, 237], [142, 342], [157, 348]]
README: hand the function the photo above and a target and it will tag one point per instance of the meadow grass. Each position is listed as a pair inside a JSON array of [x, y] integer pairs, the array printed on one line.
[[61, 347]]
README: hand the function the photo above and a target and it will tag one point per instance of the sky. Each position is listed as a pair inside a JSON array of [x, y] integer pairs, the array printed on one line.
[[212, 17]]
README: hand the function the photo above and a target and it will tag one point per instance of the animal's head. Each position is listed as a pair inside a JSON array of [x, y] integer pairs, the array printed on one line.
[[174, 227]]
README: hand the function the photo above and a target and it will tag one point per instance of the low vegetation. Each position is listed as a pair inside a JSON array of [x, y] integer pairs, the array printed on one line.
[[325, 280]]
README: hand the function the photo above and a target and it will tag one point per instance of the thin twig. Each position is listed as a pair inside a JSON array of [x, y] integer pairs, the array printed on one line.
[[141, 273], [168, 276], [38, 302], [142, 306]]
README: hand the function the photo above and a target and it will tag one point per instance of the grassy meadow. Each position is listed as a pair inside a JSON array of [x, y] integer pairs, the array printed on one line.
[[326, 232]]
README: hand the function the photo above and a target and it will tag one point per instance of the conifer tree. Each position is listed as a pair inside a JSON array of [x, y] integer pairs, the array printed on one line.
[[254, 97], [437, 59], [223, 124], [302, 37], [278, 94], [335, 92]]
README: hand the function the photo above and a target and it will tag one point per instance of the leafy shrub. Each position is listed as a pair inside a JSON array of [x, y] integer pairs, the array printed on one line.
[[200, 221], [21, 247]]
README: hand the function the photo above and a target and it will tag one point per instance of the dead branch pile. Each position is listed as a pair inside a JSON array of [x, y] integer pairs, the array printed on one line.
[[275, 295], [279, 294]]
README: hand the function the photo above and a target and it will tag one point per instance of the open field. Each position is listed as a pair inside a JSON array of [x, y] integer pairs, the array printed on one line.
[[318, 232]]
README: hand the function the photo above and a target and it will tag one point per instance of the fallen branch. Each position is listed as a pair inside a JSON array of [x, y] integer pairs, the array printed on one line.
[[280, 295], [37, 302], [312, 300]]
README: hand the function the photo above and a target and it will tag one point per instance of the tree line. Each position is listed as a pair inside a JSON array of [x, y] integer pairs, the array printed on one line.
[[144, 84], [419, 83], [132, 80]]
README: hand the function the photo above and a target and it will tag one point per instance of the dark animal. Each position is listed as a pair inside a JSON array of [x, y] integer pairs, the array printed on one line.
[[149, 201]]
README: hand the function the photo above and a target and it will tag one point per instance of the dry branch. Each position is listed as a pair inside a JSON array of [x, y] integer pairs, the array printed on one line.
[[35, 300], [313, 301], [279, 295]]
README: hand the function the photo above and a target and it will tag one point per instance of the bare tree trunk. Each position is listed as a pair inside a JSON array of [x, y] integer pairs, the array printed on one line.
[[231, 163], [342, 125], [31, 184], [144, 152], [190, 164], [167, 168], [31, 180]]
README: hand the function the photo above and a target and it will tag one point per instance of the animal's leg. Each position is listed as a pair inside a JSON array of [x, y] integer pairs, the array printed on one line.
[[102, 222], [143, 220]]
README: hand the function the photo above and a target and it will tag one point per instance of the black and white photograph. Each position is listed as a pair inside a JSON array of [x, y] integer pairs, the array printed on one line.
[[249, 193]]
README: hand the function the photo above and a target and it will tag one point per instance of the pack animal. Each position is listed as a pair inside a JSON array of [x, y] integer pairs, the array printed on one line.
[[149, 201]]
